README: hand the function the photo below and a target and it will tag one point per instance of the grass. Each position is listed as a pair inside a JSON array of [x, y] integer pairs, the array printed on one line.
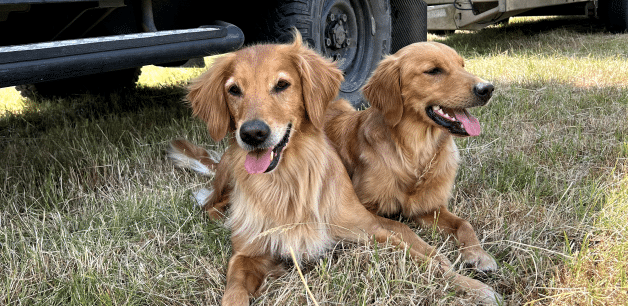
[[599, 273], [91, 212]]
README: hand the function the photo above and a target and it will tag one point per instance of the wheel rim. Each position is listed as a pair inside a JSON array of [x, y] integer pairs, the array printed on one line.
[[345, 39]]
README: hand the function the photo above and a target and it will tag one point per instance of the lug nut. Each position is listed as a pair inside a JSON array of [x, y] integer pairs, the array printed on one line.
[[332, 17], [328, 42], [344, 17]]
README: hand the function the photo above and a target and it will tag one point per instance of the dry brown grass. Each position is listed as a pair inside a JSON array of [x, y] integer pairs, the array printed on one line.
[[598, 275], [92, 212]]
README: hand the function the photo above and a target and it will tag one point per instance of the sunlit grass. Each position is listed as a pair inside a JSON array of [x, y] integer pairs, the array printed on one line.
[[578, 71], [599, 273], [11, 100], [155, 76]]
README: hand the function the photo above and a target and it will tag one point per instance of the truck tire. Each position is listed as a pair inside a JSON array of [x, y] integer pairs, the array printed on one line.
[[97, 84], [408, 23], [616, 14], [355, 33]]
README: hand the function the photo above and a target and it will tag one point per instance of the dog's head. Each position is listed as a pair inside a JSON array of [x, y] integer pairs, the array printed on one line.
[[428, 80], [264, 94]]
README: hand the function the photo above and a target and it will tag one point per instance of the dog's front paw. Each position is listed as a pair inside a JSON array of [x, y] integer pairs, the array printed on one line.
[[479, 259], [480, 293], [488, 296]]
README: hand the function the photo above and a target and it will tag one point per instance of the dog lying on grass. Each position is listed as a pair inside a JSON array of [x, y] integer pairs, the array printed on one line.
[[400, 153]]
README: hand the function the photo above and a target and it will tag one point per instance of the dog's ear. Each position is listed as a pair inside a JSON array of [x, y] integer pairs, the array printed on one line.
[[320, 80], [208, 100], [383, 90]]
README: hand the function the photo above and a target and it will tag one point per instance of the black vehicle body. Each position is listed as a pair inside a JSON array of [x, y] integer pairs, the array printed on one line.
[[57, 41]]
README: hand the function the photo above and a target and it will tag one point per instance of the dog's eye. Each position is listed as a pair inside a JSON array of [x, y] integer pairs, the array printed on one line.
[[281, 85], [234, 90], [434, 71]]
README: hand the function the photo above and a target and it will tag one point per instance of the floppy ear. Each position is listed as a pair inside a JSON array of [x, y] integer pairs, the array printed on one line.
[[320, 80], [207, 97], [383, 90]]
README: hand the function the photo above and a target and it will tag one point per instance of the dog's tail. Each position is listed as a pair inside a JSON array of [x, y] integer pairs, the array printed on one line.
[[187, 155]]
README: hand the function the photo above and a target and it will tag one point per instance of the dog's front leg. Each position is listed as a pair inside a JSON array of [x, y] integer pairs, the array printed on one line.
[[470, 247], [399, 234], [363, 226], [245, 275], [384, 230]]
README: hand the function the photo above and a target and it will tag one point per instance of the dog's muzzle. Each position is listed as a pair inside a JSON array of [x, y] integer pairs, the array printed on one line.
[[264, 148]]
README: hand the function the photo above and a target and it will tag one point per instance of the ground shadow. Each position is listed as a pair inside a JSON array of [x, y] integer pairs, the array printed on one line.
[[42, 114]]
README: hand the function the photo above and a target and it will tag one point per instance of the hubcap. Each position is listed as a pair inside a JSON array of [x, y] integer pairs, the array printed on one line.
[[337, 36], [340, 33]]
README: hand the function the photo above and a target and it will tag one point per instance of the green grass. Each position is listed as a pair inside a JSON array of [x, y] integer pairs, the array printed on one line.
[[91, 212], [599, 273]]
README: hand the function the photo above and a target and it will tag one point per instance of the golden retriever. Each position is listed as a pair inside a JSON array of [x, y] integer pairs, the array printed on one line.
[[286, 187], [400, 152]]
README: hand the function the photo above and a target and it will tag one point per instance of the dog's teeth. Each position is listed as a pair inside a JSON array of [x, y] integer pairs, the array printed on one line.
[[442, 113], [272, 154]]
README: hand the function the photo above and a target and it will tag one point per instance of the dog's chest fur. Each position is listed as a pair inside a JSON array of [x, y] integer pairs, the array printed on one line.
[[285, 209], [411, 179]]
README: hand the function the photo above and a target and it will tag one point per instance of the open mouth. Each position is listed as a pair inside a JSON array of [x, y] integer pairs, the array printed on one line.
[[458, 121], [266, 160]]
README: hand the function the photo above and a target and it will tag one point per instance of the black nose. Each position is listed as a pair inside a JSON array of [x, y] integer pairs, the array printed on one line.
[[484, 91], [254, 132]]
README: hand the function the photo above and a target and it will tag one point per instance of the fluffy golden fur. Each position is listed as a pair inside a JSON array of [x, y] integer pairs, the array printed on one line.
[[399, 153], [303, 202]]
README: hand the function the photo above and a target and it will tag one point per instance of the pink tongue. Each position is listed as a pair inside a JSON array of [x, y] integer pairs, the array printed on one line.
[[470, 123], [256, 163]]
